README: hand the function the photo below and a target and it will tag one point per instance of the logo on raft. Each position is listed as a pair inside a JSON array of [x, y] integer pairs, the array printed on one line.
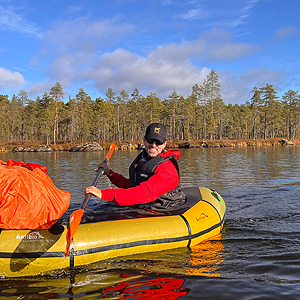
[[35, 235], [202, 217]]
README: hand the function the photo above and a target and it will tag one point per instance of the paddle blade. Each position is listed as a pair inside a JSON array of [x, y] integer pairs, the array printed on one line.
[[74, 222], [110, 151]]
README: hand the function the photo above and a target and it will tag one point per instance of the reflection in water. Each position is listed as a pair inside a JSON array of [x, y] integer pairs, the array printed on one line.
[[203, 259], [143, 288], [109, 285], [206, 258], [159, 275]]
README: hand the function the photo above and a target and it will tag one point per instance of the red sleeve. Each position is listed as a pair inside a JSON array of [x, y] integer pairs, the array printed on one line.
[[119, 180], [164, 179]]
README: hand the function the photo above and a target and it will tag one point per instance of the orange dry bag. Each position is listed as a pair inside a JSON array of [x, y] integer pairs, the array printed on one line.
[[28, 197]]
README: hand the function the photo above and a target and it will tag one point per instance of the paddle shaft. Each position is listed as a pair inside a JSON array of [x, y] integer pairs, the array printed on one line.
[[76, 216], [88, 196]]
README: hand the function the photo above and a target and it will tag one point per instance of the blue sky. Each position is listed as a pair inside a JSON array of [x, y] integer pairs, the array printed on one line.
[[156, 46]]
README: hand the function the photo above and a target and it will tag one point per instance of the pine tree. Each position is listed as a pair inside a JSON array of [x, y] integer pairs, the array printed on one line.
[[84, 103], [57, 92], [291, 103], [269, 108], [212, 88], [256, 103], [23, 99]]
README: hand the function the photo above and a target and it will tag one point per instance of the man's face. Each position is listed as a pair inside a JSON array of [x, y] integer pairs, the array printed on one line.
[[154, 147]]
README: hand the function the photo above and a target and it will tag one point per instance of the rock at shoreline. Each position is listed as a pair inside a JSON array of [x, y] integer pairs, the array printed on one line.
[[206, 145], [127, 146], [285, 142], [41, 148], [194, 146], [18, 149], [184, 145], [87, 147], [141, 146]]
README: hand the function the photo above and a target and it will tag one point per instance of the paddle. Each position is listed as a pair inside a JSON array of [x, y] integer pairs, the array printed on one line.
[[76, 216]]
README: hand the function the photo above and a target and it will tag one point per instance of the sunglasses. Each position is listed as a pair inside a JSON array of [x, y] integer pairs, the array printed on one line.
[[157, 142]]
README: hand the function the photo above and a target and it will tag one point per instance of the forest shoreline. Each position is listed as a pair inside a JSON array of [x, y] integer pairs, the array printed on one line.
[[29, 146]]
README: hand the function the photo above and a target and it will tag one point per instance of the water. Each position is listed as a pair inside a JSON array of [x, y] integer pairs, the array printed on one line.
[[256, 257]]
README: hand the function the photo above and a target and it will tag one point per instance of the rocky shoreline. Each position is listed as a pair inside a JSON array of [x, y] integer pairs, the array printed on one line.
[[94, 146]]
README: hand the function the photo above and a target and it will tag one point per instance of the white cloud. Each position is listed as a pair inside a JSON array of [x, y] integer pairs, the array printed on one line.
[[233, 14], [82, 34], [229, 51], [166, 2], [222, 47], [40, 88], [245, 10], [167, 67], [10, 79], [12, 21], [71, 46], [124, 70], [196, 13], [236, 87], [286, 32], [78, 57], [162, 70]]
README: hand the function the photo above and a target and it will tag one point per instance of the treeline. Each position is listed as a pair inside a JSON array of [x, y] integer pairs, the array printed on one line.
[[124, 117]]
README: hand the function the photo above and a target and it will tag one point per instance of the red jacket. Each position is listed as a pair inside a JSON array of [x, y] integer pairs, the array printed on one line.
[[164, 179]]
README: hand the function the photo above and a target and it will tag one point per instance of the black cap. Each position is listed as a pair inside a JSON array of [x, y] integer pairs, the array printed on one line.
[[156, 131]]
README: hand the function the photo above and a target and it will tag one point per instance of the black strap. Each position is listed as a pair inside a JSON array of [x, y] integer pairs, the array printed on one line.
[[189, 229]]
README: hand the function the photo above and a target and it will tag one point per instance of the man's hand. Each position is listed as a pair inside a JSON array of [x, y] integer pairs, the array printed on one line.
[[105, 167], [93, 190]]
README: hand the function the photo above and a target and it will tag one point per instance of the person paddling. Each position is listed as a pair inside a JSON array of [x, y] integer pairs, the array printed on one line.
[[153, 181]]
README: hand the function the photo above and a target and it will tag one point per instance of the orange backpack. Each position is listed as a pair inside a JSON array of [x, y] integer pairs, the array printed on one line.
[[28, 197]]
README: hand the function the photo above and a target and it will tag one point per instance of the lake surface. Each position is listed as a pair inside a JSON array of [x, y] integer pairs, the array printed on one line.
[[257, 256]]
